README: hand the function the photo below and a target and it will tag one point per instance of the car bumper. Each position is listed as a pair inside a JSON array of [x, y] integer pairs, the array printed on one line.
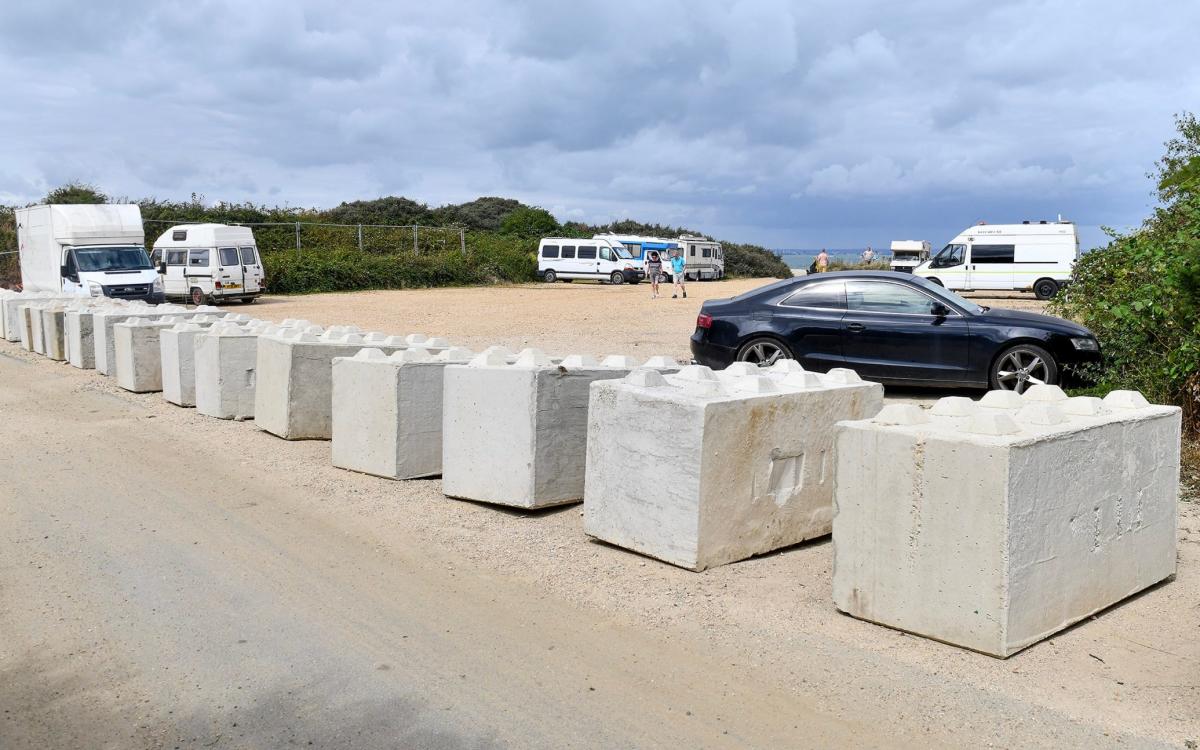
[[1078, 368], [709, 354], [633, 277]]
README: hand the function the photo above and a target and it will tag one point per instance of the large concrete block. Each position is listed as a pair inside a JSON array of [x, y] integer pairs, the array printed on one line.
[[387, 411], [992, 527], [225, 361], [177, 346], [137, 354], [701, 469], [12, 318], [104, 320], [54, 330], [79, 342], [294, 393], [515, 433]]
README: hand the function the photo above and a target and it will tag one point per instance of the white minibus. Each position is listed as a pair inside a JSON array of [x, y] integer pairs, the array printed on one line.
[[569, 258], [1032, 256]]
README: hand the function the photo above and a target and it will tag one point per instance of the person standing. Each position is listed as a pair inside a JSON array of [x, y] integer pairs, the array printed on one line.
[[868, 255], [653, 272], [677, 273], [822, 261]]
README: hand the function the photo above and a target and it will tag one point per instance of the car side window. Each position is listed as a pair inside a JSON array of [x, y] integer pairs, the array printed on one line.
[[829, 295], [248, 257], [550, 251], [882, 296]]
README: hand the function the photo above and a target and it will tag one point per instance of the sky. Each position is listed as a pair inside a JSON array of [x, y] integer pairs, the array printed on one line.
[[789, 124]]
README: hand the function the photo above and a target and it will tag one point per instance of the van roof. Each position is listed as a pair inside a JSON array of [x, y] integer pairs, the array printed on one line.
[[205, 235]]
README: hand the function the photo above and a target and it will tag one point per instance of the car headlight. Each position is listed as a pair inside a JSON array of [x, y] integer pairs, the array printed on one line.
[[1085, 344], [157, 286], [94, 289]]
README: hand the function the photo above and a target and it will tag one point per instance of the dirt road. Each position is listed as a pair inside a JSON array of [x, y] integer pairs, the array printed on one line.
[[169, 580]]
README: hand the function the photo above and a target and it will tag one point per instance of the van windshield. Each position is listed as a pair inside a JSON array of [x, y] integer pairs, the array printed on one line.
[[622, 252], [132, 258]]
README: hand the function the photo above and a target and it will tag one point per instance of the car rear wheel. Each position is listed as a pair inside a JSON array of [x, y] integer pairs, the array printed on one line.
[[1045, 288], [1022, 366], [763, 351], [617, 277], [549, 276]]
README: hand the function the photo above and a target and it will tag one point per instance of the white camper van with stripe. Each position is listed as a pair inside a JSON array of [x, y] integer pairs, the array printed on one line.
[[1033, 256]]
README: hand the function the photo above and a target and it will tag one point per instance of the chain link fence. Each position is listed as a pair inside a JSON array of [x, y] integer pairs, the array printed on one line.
[[302, 237]]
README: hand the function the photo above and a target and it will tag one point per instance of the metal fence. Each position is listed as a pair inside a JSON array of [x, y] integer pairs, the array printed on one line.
[[306, 236]]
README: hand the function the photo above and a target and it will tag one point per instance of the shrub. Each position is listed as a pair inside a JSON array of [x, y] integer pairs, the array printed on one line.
[[752, 261]]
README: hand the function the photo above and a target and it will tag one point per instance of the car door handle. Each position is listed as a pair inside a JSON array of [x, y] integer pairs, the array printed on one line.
[[856, 327]]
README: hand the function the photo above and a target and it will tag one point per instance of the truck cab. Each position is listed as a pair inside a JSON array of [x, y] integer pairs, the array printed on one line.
[[86, 251], [209, 263]]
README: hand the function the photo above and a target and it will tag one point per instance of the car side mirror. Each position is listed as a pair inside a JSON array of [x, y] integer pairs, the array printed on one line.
[[62, 271], [938, 309]]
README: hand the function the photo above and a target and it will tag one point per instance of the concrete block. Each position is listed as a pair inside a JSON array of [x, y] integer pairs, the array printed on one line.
[[54, 330], [225, 378], [79, 342], [515, 430], [294, 393], [702, 469], [387, 411], [11, 302], [178, 350], [104, 320], [137, 354], [992, 528]]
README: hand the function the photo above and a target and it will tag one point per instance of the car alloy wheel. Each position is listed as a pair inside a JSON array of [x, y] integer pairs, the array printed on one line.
[[763, 352], [1022, 367]]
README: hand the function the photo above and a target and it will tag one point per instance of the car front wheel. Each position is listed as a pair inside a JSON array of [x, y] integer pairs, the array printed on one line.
[[549, 276], [617, 277], [763, 351], [1022, 366]]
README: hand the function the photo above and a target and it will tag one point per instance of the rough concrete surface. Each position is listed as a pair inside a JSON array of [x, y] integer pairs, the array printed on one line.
[[137, 355], [225, 378]]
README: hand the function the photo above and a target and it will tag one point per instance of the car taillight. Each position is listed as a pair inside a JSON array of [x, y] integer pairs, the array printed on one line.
[[703, 320], [217, 285]]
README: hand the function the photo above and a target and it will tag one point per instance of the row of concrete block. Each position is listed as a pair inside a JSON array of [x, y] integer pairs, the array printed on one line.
[[989, 524]]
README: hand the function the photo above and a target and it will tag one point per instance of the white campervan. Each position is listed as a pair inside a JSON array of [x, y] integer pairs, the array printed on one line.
[[1031, 256], [598, 258], [705, 258], [203, 263]]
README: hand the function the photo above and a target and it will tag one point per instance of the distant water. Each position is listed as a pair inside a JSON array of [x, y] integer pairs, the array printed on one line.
[[804, 258]]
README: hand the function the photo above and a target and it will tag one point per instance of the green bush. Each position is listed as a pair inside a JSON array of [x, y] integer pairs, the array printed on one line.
[[752, 261]]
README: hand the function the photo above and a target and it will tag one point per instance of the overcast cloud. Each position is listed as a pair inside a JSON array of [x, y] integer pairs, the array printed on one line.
[[790, 124]]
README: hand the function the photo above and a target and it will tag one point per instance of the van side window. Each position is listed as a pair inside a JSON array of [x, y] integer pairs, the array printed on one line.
[[587, 252], [568, 251], [606, 254], [248, 257], [707, 252], [229, 256], [176, 257], [992, 253], [198, 258], [550, 251]]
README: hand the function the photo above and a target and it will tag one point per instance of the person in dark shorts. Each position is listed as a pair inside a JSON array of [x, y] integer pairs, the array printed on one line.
[[654, 272]]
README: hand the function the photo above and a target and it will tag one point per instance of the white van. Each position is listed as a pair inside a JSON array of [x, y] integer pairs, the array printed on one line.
[[208, 263], [705, 259], [598, 258], [1031, 256]]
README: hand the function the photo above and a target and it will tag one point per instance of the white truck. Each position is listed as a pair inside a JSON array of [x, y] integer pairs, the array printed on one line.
[[1033, 256], [209, 263], [908, 254], [86, 250]]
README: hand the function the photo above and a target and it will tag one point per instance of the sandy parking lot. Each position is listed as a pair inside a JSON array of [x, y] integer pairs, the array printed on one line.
[[581, 317], [195, 612]]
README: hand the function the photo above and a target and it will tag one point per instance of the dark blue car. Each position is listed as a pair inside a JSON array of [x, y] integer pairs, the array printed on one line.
[[892, 328]]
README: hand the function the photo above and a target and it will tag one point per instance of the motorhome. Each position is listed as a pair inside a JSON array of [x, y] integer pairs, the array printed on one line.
[[86, 250], [908, 254], [209, 263], [705, 258], [601, 259], [1034, 256], [638, 246]]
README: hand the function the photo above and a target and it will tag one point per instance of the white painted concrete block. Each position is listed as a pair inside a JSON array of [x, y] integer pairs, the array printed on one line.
[[80, 344], [177, 345], [701, 469], [294, 393], [387, 411], [11, 303], [103, 322], [137, 354], [516, 433], [995, 525], [225, 359]]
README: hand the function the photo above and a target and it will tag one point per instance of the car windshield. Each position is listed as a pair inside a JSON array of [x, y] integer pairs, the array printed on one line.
[[132, 258]]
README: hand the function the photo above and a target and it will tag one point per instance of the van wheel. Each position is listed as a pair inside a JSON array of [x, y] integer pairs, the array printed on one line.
[[1045, 288], [617, 277], [197, 296], [549, 276]]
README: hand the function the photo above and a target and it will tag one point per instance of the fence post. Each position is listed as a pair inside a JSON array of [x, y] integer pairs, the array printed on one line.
[[360, 249], [462, 241], [416, 251], [297, 239]]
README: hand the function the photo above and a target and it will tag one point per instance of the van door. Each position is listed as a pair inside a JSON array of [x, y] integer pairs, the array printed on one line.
[[200, 264], [229, 272], [991, 266], [588, 259], [175, 282], [570, 266], [949, 266], [252, 270]]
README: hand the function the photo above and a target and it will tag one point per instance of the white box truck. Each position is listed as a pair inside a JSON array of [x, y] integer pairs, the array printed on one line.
[[1033, 256], [86, 250]]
